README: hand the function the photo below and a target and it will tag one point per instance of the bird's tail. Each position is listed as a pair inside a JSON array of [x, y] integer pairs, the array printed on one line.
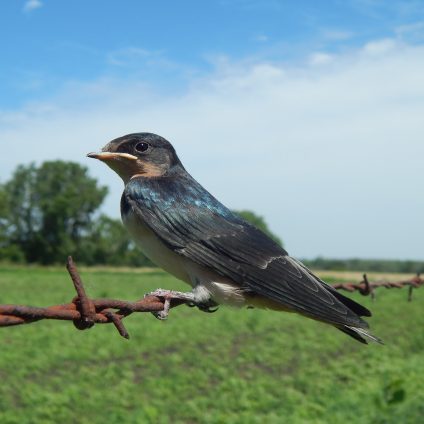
[[360, 334]]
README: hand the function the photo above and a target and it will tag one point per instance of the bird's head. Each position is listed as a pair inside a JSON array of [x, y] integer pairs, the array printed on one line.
[[140, 154]]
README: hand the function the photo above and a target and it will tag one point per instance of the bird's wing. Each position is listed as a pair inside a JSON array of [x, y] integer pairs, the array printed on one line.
[[194, 224]]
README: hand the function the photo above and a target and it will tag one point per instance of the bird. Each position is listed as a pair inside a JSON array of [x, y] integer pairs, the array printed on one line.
[[186, 231]]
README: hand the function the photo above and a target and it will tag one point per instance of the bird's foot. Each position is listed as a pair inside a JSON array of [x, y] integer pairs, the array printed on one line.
[[168, 296], [209, 306]]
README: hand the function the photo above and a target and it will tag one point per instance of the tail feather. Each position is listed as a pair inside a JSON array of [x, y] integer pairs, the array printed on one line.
[[356, 307], [360, 334], [359, 331]]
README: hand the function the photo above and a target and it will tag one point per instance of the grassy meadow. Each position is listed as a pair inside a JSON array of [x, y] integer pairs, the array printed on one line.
[[234, 366]]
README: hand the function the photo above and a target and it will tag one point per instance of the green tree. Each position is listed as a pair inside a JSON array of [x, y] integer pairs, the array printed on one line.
[[259, 222], [8, 252], [50, 208], [3, 214]]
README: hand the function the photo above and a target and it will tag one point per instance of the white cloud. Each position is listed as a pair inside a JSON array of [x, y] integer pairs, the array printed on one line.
[[320, 58], [381, 47], [31, 5], [331, 155]]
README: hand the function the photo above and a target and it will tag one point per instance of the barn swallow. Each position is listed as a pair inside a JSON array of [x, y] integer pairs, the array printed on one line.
[[186, 231]]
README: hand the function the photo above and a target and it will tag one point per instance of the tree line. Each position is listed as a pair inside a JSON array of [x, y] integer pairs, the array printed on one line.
[[50, 211], [366, 265]]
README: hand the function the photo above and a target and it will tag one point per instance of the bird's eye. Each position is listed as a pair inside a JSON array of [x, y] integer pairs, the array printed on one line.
[[142, 147]]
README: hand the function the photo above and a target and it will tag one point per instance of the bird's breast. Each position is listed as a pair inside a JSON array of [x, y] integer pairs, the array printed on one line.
[[154, 248]]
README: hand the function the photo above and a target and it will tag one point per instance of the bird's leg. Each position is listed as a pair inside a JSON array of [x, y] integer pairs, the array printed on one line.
[[168, 296], [193, 298], [203, 299]]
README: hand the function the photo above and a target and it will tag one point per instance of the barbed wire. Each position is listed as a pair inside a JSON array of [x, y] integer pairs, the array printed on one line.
[[367, 288], [85, 312]]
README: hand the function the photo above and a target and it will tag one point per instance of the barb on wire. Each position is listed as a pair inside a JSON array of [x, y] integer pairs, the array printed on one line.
[[83, 311], [367, 288], [86, 312]]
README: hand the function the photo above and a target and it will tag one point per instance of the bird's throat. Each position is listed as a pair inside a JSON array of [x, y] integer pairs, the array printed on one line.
[[132, 169]]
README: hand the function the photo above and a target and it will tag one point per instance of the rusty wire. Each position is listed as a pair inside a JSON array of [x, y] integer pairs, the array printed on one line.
[[85, 312], [367, 288]]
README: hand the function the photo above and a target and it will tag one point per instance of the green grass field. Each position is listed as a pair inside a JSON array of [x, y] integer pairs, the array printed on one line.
[[234, 366]]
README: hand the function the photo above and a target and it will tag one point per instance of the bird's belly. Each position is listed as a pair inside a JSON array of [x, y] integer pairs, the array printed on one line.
[[208, 283], [154, 249]]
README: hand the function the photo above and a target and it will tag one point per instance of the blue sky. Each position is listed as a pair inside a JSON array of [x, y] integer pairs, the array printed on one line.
[[46, 43], [308, 112]]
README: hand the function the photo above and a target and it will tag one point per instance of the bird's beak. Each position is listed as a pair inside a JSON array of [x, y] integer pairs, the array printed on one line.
[[124, 164], [111, 156]]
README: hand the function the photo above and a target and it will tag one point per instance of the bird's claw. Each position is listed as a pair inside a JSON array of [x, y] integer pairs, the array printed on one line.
[[210, 307], [167, 296], [161, 315]]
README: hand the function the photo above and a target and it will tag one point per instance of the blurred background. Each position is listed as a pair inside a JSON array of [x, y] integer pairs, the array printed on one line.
[[305, 117]]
